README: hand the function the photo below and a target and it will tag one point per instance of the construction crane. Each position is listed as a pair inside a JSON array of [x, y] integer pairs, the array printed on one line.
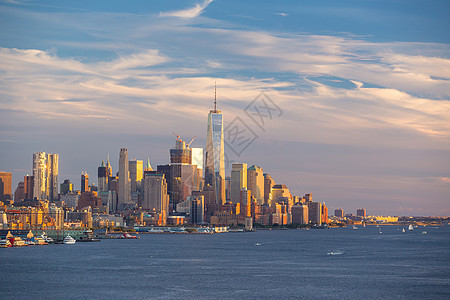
[[189, 144], [177, 135]]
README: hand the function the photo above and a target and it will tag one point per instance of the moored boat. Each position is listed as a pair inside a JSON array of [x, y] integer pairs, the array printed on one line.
[[68, 240]]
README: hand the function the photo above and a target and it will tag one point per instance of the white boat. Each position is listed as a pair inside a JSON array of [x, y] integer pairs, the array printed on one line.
[[403, 230], [379, 230], [46, 238], [410, 228], [68, 240], [355, 227]]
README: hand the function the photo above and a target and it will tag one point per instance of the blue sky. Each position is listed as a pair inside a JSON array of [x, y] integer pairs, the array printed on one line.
[[363, 87]]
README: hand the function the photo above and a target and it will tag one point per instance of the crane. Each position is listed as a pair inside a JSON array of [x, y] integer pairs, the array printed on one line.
[[189, 144]]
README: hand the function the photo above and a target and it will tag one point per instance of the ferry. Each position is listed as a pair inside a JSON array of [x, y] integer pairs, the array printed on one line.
[[68, 240]]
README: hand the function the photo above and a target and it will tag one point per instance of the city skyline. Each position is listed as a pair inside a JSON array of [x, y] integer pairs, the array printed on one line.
[[364, 92]]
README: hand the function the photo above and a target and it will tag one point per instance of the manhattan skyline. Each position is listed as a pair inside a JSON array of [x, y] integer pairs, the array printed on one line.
[[363, 88]]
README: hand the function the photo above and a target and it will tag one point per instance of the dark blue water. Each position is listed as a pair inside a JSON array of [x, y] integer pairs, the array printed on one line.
[[263, 264]]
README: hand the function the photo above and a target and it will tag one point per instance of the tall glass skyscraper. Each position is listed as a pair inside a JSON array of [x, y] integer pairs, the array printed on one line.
[[214, 155]]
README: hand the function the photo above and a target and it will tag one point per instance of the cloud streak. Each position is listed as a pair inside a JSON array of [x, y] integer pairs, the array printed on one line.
[[188, 13]]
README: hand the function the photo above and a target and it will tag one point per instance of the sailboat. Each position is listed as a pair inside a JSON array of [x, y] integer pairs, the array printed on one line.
[[403, 230], [380, 230], [410, 228]]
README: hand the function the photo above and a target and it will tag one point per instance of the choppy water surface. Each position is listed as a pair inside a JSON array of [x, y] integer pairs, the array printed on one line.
[[314, 264]]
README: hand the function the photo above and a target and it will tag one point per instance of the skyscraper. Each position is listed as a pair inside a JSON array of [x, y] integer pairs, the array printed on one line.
[[28, 186], [124, 176], [5, 186], [156, 198], [215, 154], [136, 175], [102, 175], [84, 182], [255, 183], [238, 181], [52, 176], [268, 184], [39, 175]]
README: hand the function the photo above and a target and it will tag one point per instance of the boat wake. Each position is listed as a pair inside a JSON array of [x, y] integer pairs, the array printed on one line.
[[337, 252]]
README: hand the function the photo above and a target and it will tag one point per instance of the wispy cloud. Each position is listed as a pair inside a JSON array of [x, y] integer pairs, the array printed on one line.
[[281, 14], [187, 13]]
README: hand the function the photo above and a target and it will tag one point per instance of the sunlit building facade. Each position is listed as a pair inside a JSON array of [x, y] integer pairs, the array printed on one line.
[[214, 155]]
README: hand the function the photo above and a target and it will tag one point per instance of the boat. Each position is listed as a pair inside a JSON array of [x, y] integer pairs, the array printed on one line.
[[410, 228], [403, 230], [128, 236], [46, 238], [380, 230], [5, 243], [68, 240], [30, 239], [424, 232], [355, 228]]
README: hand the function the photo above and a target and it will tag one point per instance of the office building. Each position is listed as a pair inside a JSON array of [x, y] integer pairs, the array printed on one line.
[[315, 212], [255, 183], [324, 214], [136, 175], [299, 214], [268, 184], [102, 177], [361, 212], [52, 176], [19, 193], [215, 154], [124, 177], [5, 186], [66, 187], [84, 182], [156, 199], [197, 209], [39, 176], [238, 180], [28, 186], [339, 213]]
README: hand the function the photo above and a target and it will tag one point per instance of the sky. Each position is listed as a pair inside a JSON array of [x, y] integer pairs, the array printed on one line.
[[348, 100]]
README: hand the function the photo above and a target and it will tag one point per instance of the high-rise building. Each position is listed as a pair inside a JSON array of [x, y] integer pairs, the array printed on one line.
[[197, 209], [255, 183], [238, 180], [268, 184], [148, 166], [28, 186], [339, 213], [124, 177], [84, 182], [5, 186], [136, 175], [324, 213], [156, 198], [245, 201], [299, 214], [215, 154], [361, 212], [66, 187], [315, 212], [102, 177], [19, 193], [52, 176], [39, 175], [45, 176]]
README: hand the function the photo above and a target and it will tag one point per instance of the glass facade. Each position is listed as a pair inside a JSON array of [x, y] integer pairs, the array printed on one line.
[[214, 155]]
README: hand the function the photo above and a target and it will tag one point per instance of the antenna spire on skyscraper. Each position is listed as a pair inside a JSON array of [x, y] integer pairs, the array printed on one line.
[[215, 97]]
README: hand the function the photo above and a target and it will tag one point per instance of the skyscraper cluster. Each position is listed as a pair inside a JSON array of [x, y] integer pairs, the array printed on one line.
[[191, 188]]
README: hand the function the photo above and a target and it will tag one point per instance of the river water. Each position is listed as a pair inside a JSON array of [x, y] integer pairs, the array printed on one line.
[[278, 264]]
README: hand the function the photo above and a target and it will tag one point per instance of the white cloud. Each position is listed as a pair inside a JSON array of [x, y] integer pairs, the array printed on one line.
[[188, 13]]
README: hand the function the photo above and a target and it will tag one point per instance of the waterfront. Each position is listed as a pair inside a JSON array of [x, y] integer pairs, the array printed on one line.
[[262, 264]]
